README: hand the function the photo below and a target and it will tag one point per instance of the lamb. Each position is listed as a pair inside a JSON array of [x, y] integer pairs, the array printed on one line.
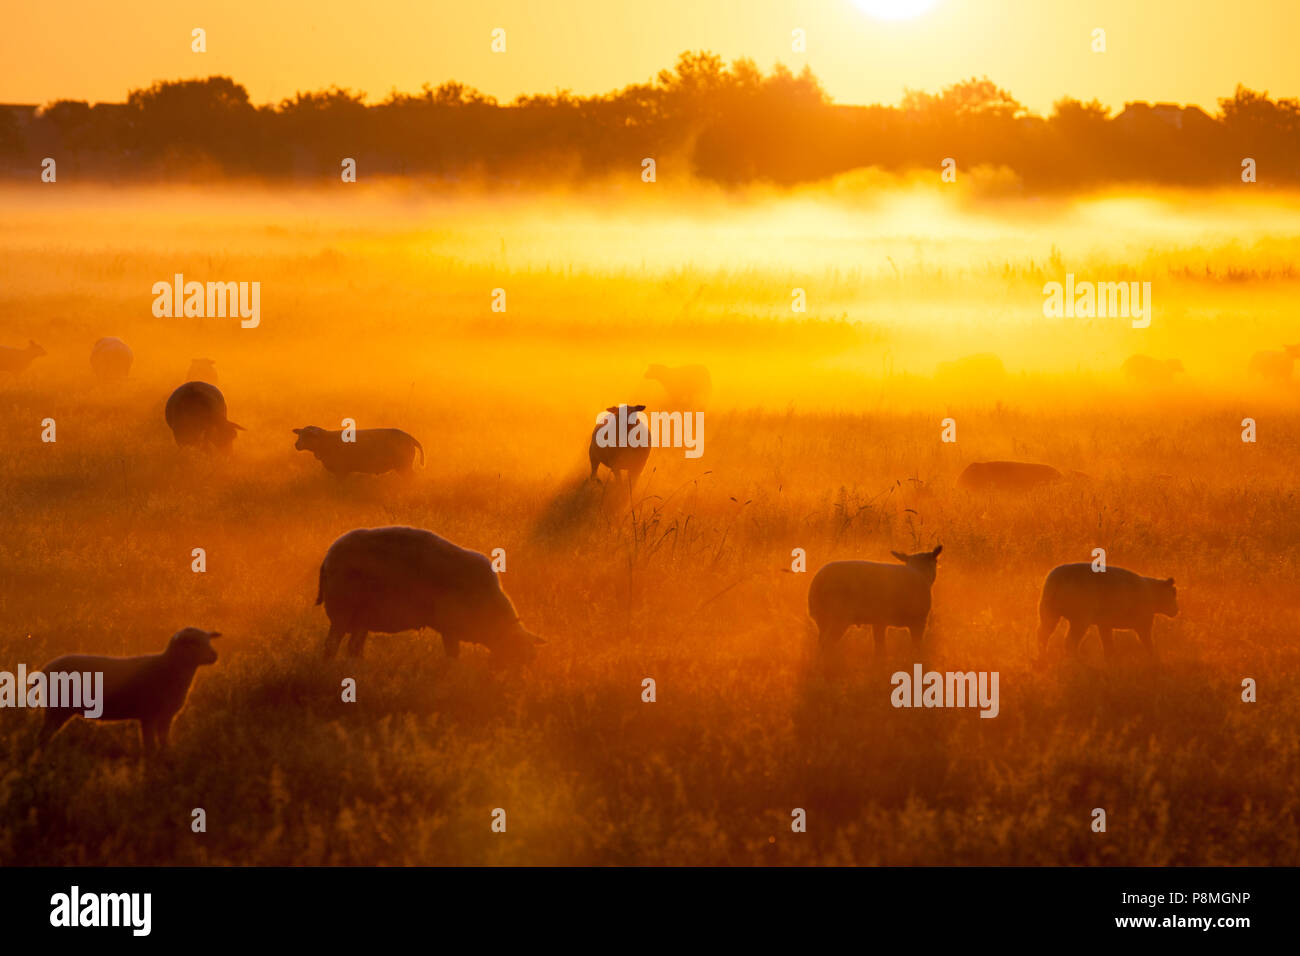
[[875, 595], [400, 579], [1006, 476], [1145, 370], [629, 459], [686, 387], [375, 451], [202, 370], [1276, 365], [17, 360], [151, 688], [196, 414], [110, 359], [1114, 598]]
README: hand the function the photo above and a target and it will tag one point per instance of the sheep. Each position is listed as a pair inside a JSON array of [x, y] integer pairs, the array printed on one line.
[[686, 387], [151, 688], [375, 451], [1114, 598], [629, 459], [1276, 365], [17, 360], [202, 370], [196, 414], [875, 595], [1006, 476], [1145, 370], [985, 368], [110, 359], [400, 579]]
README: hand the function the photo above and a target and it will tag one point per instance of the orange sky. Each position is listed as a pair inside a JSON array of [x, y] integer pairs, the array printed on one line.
[[1190, 51]]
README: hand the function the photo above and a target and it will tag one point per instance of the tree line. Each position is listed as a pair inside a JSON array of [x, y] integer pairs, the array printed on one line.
[[730, 124]]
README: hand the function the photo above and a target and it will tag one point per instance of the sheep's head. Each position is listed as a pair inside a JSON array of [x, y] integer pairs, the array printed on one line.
[[35, 349], [223, 435], [191, 646], [309, 437], [1166, 597], [925, 563], [514, 645]]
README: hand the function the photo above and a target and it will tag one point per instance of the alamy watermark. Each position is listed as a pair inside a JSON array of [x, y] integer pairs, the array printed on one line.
[[627, 426]]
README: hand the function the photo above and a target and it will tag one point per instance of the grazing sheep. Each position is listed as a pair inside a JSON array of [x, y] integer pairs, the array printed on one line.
[[151, 689], [1277, 365], [110, 359], [375, 451], [1006, 476], [402, 579], [686, 387], [17, 360], [629, 459], [202, 370], [1145, 370], [873, 594], [984, 367], [1114, 598], [196, 414]]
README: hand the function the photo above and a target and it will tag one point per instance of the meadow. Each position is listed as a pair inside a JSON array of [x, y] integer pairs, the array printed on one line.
[[823, 434]]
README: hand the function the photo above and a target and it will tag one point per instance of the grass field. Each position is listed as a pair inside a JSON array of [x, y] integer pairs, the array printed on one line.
[[823, 434]]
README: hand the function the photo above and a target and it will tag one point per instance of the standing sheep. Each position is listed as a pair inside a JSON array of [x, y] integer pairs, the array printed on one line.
[[875, 595], [629, 459], [1276, 366], [110, 359], [151, 688], [196, 414], [403, 579], [1006, 476], [375, 451], [17, 360], [1114, 598], [686, 387]]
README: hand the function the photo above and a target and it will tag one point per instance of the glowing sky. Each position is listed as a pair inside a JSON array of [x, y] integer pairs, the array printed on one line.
[[1190, 51]]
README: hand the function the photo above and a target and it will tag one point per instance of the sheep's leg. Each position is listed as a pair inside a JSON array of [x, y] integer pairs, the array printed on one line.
[[917, 630], [1107, 644], [54, 721], [1075, 633], [451, 645], [633, 476], [1046, 625], [830, 631], [1144, 635], [333, 639], [147, 741], [357, 643], [162, 726]]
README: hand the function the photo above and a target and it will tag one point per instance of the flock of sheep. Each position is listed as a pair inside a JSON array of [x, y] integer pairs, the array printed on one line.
[[395, 579]]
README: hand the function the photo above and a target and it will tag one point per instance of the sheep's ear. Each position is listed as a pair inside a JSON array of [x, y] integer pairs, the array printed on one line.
[[1169, 581], [212, 634], [898, 554], [636, 408], [612, 408], [297, 431], [935, 552], [538, 640]]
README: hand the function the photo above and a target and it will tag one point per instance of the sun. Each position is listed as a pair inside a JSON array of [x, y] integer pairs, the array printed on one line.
[[893, 9]]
